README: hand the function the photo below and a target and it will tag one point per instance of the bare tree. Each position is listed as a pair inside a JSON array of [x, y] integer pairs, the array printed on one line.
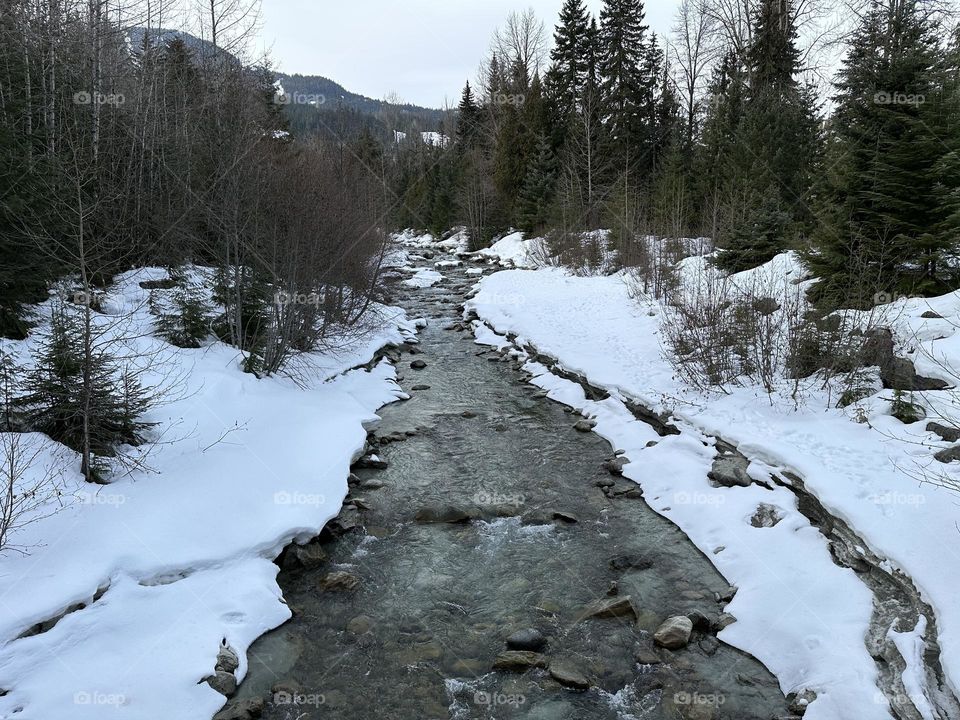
[[694, 56]]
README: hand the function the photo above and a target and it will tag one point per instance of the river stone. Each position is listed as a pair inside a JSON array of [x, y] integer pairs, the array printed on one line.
[[766, 516], [797, 703], [249, 709], [584, 426], [372, 462], [730, 471], [224, 683], [709, 644], [420, 387], [527, 639], [468, 414], [418, 365], [360, 624], [338, 581], [700, 620], [519, 660], [615, 465], [611, 608], [621, 563], [564, 516], [645, 655], [605, 483], [373, 485], [565, 672], [948, 434], [227, 659], [674, 633], [308, 556], [723, 621], [445, 514]]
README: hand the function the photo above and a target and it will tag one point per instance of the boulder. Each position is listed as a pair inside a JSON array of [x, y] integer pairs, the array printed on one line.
[[566, 673], [766, 306], [227, 659], [797, 702], [249, 709], [611, 608], [418, 365], [948, 455], [584, 426], [730, 471], [519, 660], [766, 516], [621, 563], [223, 682], [445, 514], [615, 466], [527, 639], [674, 633], [339, 581]]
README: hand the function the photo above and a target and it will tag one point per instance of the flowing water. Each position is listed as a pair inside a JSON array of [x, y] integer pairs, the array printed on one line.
[[434, 602]]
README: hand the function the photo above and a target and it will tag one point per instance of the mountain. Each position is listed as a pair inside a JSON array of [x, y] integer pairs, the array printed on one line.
[[314, 104]]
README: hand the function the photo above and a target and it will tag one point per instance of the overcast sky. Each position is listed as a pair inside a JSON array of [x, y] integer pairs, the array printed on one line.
[[423, 50]]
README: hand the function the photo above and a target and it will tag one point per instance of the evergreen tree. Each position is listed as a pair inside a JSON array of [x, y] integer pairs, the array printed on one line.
[[881, 206], [468, 118], [538, 186], [569, 62]]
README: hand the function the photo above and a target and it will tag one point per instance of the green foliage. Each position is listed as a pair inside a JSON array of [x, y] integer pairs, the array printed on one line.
[[183, 314]]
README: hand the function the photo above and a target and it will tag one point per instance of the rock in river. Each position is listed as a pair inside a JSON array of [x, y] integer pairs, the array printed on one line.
[[527, 639], [566, 673], [519, 660], [611, 608], [674, 633]]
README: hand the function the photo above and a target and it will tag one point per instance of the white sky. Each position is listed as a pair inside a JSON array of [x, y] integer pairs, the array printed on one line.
[[423, 50]]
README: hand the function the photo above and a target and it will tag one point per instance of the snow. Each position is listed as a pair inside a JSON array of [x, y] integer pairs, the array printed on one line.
[[179, 556], [799, 613], [513, 250], [423, 278]]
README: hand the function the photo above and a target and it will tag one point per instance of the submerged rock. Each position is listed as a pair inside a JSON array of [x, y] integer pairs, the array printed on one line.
[[418, 365], [444, 514], [519, 660], [339, 581], [611, 608], [566, 673], [527, 639]]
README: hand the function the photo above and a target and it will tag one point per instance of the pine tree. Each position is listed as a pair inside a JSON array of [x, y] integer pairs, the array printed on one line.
[[569, 66], [880, 201], [468, 118], [537, 191]]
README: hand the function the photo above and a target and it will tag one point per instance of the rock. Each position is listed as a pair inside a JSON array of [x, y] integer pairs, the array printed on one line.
[[701, 622], [164, 284], [564, 516], [730, 471], [418, 365], [372, 462], [723, 621], [709, 644], [519, 660], [928, 315], [605, 483], [766, 306], [766, 516], [373, 485], [309, 556], [445, 514], [674, 633], [527, 639], [948, 434], [621, 563], [223, 682], [227, 659], [420, 387], [339, 581], [726, 595], [611, 608], [896, 373], [615, 466], [360, 624], [614, 589], [646, 655], [948, 455], [468, 414], [249, 709], [584, 426], [797, 703], [566, 673]]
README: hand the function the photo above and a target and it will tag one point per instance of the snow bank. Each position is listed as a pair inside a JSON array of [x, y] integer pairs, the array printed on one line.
[[798, 613], [179, 557], [514, 250]]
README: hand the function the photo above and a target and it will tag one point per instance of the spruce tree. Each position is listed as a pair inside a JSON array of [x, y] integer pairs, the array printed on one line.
[[468, 118], [569, 63], [538, 186], [877, 230]]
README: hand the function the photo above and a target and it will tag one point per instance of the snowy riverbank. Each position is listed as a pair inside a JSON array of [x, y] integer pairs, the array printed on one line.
[[798, 612], [170, 563]]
